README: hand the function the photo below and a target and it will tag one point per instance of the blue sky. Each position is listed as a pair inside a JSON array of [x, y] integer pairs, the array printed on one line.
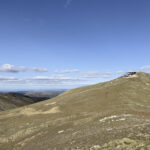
[[60, 44]]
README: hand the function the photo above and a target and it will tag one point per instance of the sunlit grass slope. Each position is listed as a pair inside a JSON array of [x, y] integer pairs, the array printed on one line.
[[114, 114]]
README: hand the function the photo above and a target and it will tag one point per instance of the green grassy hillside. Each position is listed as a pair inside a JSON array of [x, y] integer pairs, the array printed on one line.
[[114, 114]]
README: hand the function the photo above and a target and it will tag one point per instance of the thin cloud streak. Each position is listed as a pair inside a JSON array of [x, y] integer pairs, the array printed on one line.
[[9, 68], [3, 78], [95, 74], [67, 71], [145, 68], [39, 70], [40, 80], [98, 74]]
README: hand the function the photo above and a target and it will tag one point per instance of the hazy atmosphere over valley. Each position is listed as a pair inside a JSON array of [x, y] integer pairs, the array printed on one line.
[[74, 75]]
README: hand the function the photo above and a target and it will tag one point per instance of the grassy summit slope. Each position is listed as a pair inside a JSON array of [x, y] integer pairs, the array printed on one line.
[[98, 117]]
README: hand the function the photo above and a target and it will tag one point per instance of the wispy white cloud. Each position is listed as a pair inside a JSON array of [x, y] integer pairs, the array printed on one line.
[[39, 70], [41, 80], [120, 72], [67, 71], [106, 76], [145, 67], [108, 73], [11, 68], [91, 74], [55, 80], [98, 74], [3, 78], [60, 80], [68, 2], [51, 78]]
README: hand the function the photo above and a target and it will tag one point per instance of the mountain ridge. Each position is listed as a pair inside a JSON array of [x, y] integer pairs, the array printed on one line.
[[82, 118]]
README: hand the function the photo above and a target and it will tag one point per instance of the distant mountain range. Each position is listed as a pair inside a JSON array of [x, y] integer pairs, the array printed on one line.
[[113, 115]]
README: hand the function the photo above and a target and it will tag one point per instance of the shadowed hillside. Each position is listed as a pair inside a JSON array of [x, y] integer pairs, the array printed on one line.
[[114, 114], [14, 100], [44, 94]]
